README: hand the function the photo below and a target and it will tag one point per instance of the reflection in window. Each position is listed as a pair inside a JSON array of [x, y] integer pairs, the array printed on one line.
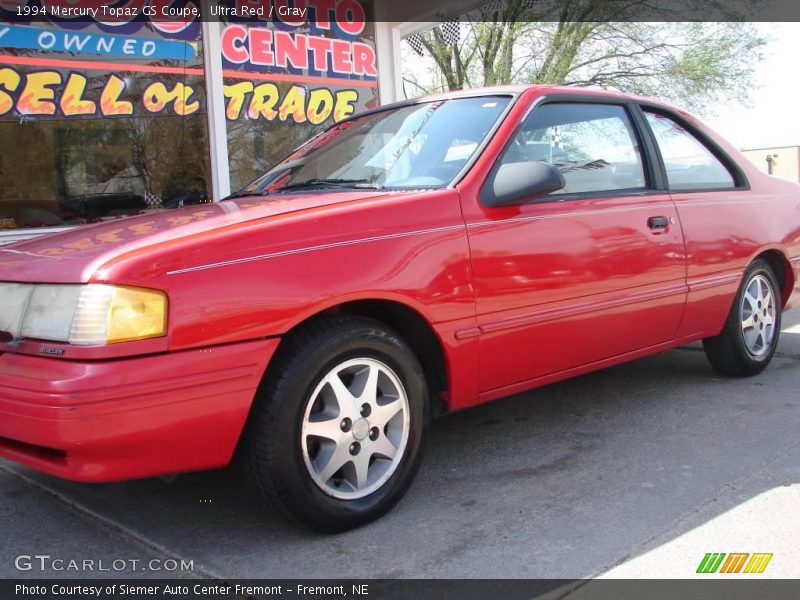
[[594, 146], [418, 146], [66, 172], [85, 140], [689, 164], [267, 118]]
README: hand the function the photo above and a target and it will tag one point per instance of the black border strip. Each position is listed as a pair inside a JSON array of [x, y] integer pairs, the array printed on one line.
[[737, 586], [393, 11]]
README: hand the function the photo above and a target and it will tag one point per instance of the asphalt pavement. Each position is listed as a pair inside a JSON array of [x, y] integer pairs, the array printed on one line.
[[633, 471]]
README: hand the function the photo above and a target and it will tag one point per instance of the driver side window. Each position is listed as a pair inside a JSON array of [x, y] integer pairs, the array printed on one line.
[[594, 146]]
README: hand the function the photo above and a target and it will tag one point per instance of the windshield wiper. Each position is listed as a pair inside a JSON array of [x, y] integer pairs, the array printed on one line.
[[245, 194], [366, 184]]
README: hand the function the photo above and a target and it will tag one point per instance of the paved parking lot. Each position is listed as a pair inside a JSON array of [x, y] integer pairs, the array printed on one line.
[[632, 471]]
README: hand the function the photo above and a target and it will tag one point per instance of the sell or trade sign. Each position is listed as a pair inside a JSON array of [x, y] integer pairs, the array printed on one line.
[[54, 40], [48, 92]]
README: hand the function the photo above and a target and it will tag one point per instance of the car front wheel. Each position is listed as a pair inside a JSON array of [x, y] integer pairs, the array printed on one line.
[[335, 436]]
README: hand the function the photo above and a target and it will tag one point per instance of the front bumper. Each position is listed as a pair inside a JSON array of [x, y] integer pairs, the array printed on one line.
[[136, 417]]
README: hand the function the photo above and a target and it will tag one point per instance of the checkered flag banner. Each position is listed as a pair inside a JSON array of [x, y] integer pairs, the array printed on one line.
[[491, 7], [451, 31], [416, 44], [555, 137], [152, 200], [497, 5]]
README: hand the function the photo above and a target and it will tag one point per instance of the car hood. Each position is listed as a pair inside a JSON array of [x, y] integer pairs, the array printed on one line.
[[75, 255]]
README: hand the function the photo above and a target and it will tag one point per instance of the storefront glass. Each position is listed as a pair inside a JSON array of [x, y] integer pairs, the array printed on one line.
[[287, 78], [104, 116], [99, 119]]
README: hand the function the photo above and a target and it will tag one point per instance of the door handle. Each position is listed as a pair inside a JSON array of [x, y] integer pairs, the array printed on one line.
[[658, 223]]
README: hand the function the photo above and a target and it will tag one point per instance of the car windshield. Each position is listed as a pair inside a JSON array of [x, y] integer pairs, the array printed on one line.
[[418, 146]]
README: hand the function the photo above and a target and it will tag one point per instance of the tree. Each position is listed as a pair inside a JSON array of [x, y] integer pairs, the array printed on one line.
[[590, 42]]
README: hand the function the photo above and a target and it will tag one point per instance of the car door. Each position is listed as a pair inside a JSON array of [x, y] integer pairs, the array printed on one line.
[[593, 271], [716, 206]]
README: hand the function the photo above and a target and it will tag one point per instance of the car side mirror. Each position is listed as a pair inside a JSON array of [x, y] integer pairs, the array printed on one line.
[[520, 182]]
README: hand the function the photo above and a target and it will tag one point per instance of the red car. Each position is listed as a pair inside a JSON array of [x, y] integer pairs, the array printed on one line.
[[413, 260]]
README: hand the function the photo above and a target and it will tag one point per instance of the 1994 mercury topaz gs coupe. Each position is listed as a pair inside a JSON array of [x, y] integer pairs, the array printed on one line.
[[420, 258]]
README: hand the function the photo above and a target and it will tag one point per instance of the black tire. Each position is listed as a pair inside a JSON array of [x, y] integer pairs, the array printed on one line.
[[272, 445], [728, 352]]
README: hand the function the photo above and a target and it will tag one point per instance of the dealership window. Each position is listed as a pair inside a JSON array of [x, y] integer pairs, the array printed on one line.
[[99, 121], [594, 146], [689, 164], [284, 82]]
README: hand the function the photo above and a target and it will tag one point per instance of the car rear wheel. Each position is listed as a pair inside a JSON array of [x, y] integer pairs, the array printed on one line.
[[335, 435], [748, 341]]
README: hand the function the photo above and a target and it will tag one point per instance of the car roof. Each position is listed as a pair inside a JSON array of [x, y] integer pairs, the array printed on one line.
[[519, 90]]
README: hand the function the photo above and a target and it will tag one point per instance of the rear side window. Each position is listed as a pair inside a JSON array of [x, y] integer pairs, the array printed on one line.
[[594, 146], [689, 164]]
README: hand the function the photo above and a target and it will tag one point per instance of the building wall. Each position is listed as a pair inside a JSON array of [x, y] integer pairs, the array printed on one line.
[[786, 161]]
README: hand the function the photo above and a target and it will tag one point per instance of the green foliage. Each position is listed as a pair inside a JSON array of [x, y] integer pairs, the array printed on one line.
[[696, 64]]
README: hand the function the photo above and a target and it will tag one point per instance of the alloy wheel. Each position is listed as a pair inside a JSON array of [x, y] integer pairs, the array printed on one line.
[[355, 428], [758, 314]]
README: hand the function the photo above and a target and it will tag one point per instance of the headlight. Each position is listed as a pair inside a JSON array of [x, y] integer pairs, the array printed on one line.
[[84, 315], [13, 300]]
